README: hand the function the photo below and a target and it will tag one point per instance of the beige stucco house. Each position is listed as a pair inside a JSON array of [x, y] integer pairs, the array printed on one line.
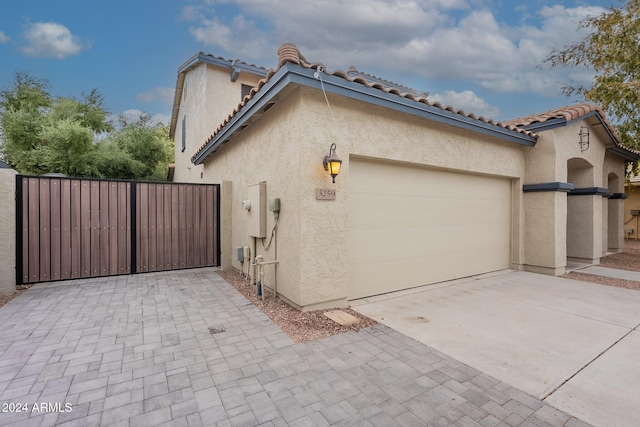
[[425, 193]]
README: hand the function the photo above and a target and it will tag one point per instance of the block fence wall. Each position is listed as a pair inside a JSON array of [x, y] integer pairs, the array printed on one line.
[[7, 231]]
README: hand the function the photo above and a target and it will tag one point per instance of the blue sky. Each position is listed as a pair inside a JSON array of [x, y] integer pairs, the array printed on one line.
[[483, 56]]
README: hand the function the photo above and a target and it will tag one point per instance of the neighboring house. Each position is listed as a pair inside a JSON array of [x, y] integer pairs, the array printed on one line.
[[425, 193], [632, 209]]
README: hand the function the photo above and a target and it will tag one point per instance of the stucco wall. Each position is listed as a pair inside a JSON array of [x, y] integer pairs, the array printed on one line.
[[547, 161], [195, 108], [285, 148], [365, 131], [7, 231], [545, 249], [208, 97], [593, 223], [260, 154]]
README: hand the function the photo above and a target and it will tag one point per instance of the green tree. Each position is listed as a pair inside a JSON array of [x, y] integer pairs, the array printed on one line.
[[137, 150], [41, 133], [89, 111], [68, 148], [612, 50], [27, 93], [23, 109]]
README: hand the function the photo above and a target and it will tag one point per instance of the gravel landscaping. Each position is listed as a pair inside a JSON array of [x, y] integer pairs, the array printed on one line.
[[309, 326], [629, 260], [300, 326]]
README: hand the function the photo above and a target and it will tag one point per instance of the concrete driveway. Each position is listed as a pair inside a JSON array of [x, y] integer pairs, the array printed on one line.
[[575, 345], [184, 348]]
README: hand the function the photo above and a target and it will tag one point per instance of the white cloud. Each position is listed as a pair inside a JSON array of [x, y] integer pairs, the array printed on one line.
[[190, 13], [467, 101], [133, 115], [50, 40], [162, 94], [240, 36], [4, 38], [161, 118], [439, 40], [348, 31]]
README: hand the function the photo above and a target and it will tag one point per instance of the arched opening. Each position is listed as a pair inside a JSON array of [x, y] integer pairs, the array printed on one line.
[[613, 237], [580, 173], [580, 213]]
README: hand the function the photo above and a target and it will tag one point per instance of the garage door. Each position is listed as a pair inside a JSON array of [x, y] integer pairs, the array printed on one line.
[[411, 226]]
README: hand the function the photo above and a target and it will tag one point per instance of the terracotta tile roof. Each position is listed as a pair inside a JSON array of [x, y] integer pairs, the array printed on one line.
[[572, 112], [568, 113], [354, 72], [216, 59], [289, 52]]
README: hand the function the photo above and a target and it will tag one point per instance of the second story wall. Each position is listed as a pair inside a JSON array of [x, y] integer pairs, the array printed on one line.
[[209, 96]]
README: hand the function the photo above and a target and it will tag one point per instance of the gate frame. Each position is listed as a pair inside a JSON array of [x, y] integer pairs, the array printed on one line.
[[134, 221]]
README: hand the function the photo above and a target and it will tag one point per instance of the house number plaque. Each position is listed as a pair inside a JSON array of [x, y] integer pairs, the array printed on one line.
[[325, 194]]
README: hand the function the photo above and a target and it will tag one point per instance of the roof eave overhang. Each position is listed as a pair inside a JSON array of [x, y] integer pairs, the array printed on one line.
[[546, 125], [616, 149], [625, 153], [175, 109], [291, 73], [261, 101]]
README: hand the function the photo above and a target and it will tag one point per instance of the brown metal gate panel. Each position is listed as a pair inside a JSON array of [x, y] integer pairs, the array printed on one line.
[[177, 226], [76, 228]]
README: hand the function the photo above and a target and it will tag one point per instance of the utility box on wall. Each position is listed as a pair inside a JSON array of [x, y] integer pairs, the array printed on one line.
[[257, 214]]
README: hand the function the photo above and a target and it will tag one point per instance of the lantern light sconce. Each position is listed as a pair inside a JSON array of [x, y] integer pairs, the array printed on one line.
[[584, 138], [332, 162]]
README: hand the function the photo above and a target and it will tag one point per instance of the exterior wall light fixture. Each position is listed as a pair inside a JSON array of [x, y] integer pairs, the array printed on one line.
[[584, 138], [332, 162]]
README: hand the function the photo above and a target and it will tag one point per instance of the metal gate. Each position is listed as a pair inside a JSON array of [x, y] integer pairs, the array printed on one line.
[[69, 228]]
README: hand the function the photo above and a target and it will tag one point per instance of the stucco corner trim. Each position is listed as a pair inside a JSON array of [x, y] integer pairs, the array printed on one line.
[[565, 187], [589, 191]]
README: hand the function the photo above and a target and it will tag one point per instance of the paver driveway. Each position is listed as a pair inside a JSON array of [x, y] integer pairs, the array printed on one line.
[[139, 350]]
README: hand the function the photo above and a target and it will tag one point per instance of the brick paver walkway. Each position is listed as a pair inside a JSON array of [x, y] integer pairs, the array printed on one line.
[[184, 348]]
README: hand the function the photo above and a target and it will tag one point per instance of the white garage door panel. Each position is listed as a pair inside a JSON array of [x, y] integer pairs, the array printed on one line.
[[409, 227], [378, 243], [450, 210]]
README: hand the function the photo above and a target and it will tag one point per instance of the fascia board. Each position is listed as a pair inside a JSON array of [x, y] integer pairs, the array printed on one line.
[[617, 149], [340, 86], [222, 63], [546, 125], [613, 137], [269, 91], [296, 74], [625, 154]]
